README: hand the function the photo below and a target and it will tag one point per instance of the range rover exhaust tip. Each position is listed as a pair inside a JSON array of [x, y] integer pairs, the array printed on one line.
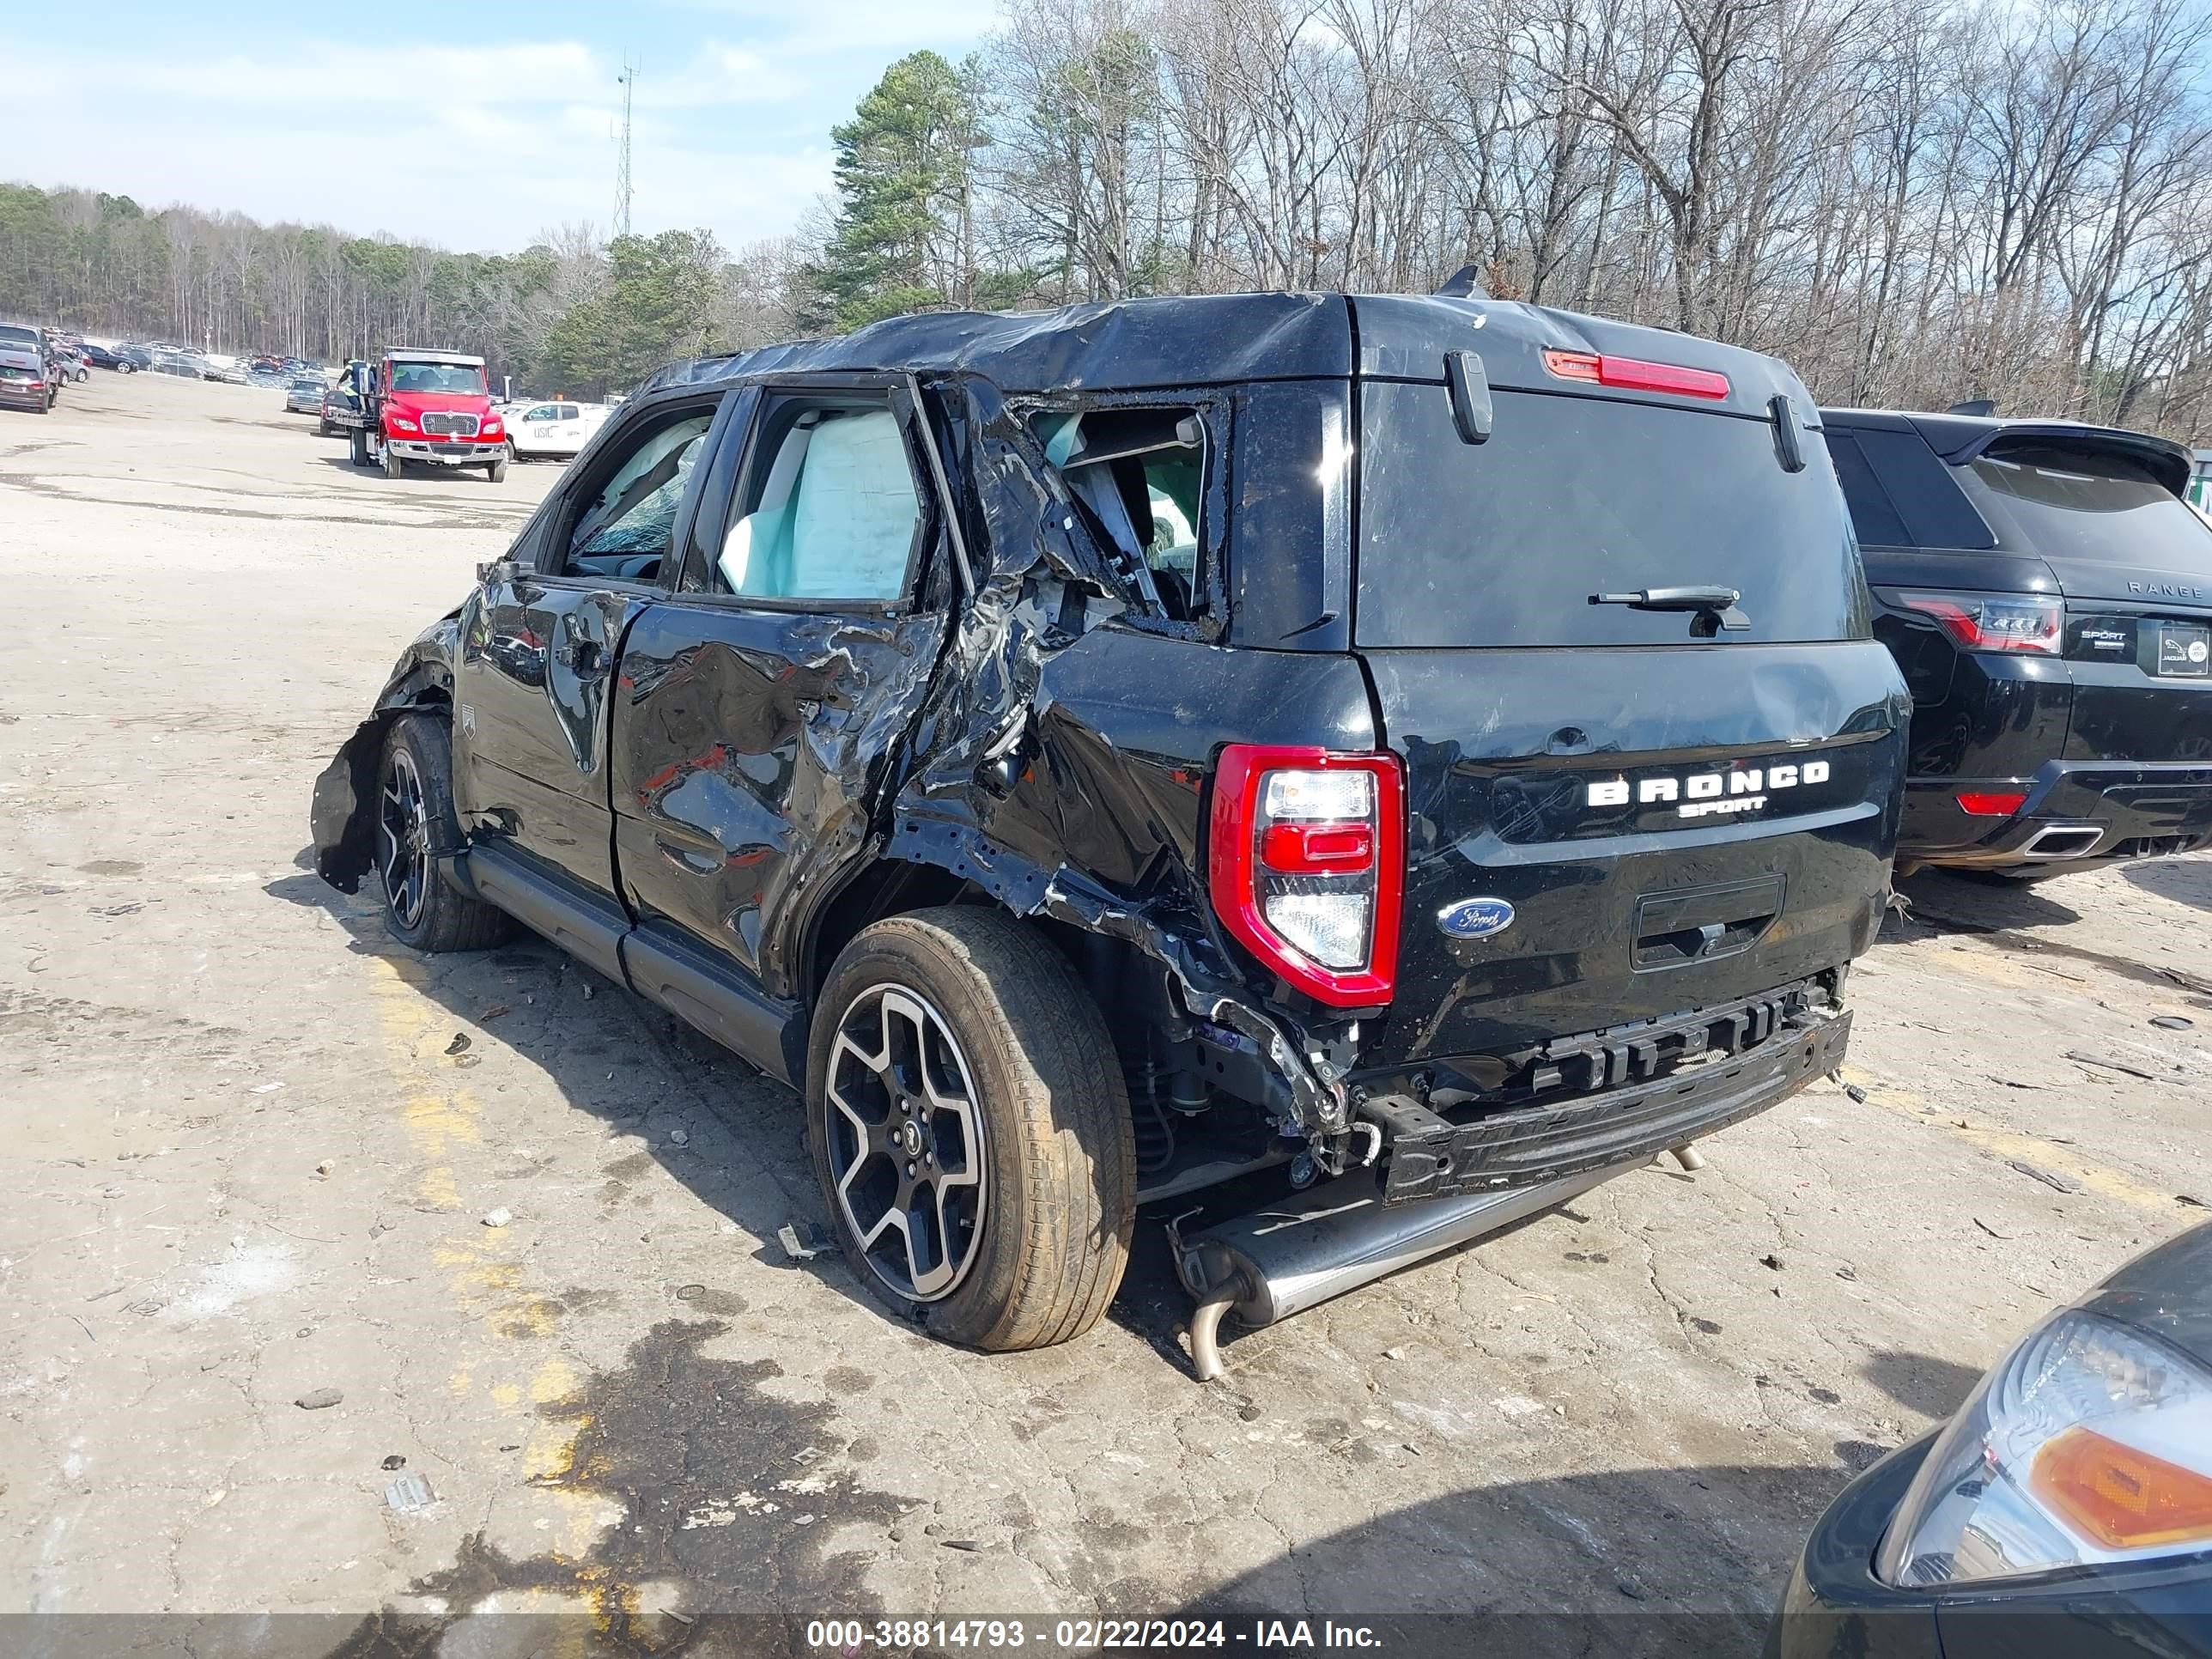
[[2062, 841], [1332, 1238]]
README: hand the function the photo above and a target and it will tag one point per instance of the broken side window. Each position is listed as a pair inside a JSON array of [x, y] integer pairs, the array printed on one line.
[[1139, 477]]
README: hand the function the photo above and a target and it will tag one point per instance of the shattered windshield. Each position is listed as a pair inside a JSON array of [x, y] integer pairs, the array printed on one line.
[[635, 512]]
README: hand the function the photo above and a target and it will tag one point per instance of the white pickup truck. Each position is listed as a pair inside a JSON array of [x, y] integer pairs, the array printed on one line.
[[554, 430]]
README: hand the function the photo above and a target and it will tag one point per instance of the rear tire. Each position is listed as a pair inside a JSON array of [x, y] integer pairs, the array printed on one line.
[[958, 1046], [360, 445], [322, 428], [415, 823]]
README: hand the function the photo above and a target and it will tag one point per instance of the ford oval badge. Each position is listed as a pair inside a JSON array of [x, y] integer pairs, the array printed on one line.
[[1475, 918]]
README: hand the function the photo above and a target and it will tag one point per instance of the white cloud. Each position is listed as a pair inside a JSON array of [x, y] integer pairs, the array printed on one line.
[[880, 26], [492, 144]]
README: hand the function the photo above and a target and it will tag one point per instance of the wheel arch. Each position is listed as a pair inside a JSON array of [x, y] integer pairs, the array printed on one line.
[[342, 817]]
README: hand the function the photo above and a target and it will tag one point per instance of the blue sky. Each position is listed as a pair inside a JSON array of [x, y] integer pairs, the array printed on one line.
[[493, 121]]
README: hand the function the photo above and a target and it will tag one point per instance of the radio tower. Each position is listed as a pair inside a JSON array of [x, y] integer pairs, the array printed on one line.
[[628, 82]]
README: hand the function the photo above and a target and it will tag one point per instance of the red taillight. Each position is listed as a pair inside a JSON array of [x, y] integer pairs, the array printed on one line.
[[1303, 849], [1306, 859], [1991, 805], [1634, 374], [1994, 621]]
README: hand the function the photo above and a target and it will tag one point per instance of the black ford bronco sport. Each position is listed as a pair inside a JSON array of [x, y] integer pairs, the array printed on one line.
[[1427, 745]]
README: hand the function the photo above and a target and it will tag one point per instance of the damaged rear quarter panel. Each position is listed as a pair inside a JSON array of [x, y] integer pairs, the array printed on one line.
[[1061, 761], [342, 820]]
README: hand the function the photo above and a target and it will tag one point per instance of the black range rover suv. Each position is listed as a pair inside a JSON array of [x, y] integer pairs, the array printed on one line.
[[1428, 746], [2048, 593]]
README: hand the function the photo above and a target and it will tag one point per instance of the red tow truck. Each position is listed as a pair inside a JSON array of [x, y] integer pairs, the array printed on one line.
[[417, 405]]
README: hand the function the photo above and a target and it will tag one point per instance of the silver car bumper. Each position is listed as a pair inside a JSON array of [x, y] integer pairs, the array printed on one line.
[[459, 453]]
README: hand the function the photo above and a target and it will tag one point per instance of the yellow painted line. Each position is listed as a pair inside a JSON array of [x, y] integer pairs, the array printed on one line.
[[2005, 1143], [484, 1279]]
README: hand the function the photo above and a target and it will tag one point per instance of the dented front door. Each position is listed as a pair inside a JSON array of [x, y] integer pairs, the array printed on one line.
[[537, 657], [753, 731]]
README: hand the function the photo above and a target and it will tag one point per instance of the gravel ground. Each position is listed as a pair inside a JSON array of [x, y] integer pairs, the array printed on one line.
[[250, 1172]]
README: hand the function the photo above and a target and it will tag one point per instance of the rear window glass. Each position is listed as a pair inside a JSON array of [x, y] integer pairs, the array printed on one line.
[[17, 336], [1902, 494], [2068, 504], [1504, 543], [1872, 515], [1138, 476]]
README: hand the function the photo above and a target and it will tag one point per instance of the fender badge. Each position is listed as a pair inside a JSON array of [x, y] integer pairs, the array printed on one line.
[[1475, 918]]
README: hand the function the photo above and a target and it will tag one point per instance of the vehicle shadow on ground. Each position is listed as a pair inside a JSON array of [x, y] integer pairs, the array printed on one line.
[[1948, 904], [1921, 1382], [742, 1151], [2183, 881], [1952, 901], [1631, 1564], [1636, 1562]]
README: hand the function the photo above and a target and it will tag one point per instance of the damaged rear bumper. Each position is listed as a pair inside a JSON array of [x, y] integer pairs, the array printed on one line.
[[1473, 1179], [1429, 1157]]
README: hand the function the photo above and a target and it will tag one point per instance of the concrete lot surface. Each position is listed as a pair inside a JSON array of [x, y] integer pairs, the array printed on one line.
[[251, 1145]]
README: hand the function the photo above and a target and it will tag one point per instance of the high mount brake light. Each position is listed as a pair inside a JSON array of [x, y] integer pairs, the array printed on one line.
[[1634, 374], [1306, 862], [1994, 621]]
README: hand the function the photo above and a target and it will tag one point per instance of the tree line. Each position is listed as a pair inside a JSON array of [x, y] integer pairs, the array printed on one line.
[[1913, 203], [570, 310]]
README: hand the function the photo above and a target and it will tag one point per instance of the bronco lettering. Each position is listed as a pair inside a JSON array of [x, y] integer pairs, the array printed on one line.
[[1740, 790]]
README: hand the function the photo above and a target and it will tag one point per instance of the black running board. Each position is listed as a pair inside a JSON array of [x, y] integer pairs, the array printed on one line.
[[766, 1032]]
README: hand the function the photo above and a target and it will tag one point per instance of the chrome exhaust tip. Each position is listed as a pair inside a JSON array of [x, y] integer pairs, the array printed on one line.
[[2062, 841], [1332, 1238]]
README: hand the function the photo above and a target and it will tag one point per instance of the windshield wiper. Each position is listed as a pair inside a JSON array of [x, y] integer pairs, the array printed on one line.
[[1715, 606]]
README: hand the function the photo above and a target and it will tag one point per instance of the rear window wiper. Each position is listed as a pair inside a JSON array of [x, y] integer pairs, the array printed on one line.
[[1715, 606]]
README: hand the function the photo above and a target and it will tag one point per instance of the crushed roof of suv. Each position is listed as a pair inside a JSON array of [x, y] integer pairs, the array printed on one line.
[[1214, 339]]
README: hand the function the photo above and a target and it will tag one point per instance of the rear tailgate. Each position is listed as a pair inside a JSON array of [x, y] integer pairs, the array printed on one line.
[[1677, 815], [1624, 912], [2134, 564]]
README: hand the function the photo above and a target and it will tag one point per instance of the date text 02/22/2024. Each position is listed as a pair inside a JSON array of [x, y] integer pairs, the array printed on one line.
[[855, 1636]]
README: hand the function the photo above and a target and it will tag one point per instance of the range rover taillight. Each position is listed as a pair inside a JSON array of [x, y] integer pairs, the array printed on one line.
[[1306, 861], [1994, 621]]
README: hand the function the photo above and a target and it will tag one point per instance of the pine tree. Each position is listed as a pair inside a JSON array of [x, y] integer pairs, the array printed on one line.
[[902, 240]]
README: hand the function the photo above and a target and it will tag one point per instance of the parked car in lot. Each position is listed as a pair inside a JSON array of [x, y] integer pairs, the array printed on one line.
[[553, 430], [176, 360], [26, 382], [123, 358], [338, 402], [2048, 593], [304, 395], [989, 767], [2065, 1509]]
